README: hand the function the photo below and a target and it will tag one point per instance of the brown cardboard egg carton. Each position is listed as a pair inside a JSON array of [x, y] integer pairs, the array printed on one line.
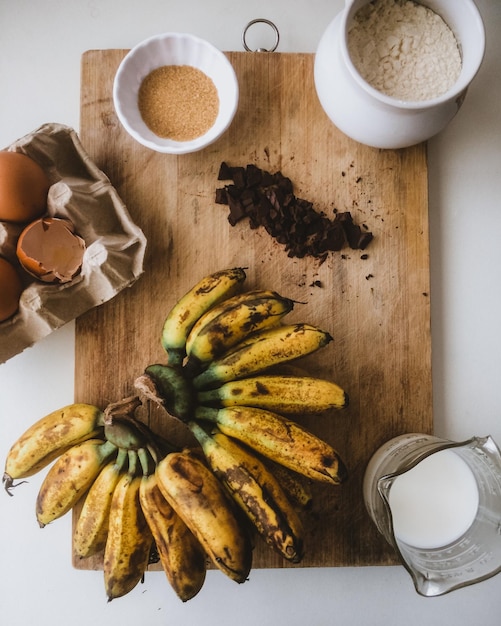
[[115, 246]]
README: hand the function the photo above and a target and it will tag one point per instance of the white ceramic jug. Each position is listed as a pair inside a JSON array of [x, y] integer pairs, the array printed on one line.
[[373, 118]]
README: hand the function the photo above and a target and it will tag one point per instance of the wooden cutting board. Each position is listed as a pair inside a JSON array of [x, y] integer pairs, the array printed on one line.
[[376, 304]]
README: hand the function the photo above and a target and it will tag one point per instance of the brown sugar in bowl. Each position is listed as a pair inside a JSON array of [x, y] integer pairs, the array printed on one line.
[[178, 102], [190, 56]]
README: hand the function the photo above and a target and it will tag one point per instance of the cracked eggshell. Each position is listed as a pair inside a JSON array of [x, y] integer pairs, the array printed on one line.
[[49, 250]]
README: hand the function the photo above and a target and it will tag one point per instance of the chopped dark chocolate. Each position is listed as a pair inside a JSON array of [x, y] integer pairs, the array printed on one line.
[[239, 178], [268, 200], [364, 241], [224, 172], [221, 196]]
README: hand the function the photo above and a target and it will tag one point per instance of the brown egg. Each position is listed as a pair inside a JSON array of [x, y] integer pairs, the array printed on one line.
[[23, 188], [50, 250], [10, 289]]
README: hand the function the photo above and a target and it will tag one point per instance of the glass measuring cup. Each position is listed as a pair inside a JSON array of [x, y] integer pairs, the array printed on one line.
[[438, 503]]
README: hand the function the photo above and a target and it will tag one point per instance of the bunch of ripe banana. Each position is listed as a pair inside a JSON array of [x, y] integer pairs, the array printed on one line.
[[225, 348], [224, 378], [137, 495]]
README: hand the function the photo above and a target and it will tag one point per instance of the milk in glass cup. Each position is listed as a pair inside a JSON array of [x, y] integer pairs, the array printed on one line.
[[438, 503]]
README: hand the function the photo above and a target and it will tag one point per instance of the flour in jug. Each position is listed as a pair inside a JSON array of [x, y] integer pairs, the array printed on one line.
[[404, 49]]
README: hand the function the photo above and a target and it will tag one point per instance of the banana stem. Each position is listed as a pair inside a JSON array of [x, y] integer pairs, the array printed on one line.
[[9, 483], [201, 435], [147, 387], [174, 390], [124, 435], [133, 462], [122, 408], [106, 449], [126, 431], [146, 461], [122, 456], [175, 356], [207, 413]]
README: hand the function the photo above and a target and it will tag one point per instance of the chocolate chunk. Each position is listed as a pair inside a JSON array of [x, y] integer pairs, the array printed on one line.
[[239, 178], [254, 175], [351, 230], [224, 172], [364, 241], [237, 211], [268, 200], [221, 196]]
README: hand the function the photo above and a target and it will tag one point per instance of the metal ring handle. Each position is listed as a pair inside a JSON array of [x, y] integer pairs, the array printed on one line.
[[262, 21]]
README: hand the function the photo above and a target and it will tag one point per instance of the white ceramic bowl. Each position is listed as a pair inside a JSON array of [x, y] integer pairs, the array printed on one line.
[[173, 49]]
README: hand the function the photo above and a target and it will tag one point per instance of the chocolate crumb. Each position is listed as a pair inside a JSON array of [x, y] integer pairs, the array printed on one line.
[[268, 200]]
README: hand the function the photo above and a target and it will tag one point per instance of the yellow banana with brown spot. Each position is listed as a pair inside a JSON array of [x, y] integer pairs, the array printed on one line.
[[49, 437], [289, 395], [232, 325], [129, 541], [208, 292], [181, 554], [256, 492], [91, 527], [279, 439], [70, 477], [217, 309], [262, 350], [198, 498], [296, 486]]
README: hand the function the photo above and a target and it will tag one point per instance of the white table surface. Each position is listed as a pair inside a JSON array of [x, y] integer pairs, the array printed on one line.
[[41, 43]]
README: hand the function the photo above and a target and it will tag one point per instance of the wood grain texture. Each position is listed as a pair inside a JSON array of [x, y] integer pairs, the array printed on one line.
[[377, 308]]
